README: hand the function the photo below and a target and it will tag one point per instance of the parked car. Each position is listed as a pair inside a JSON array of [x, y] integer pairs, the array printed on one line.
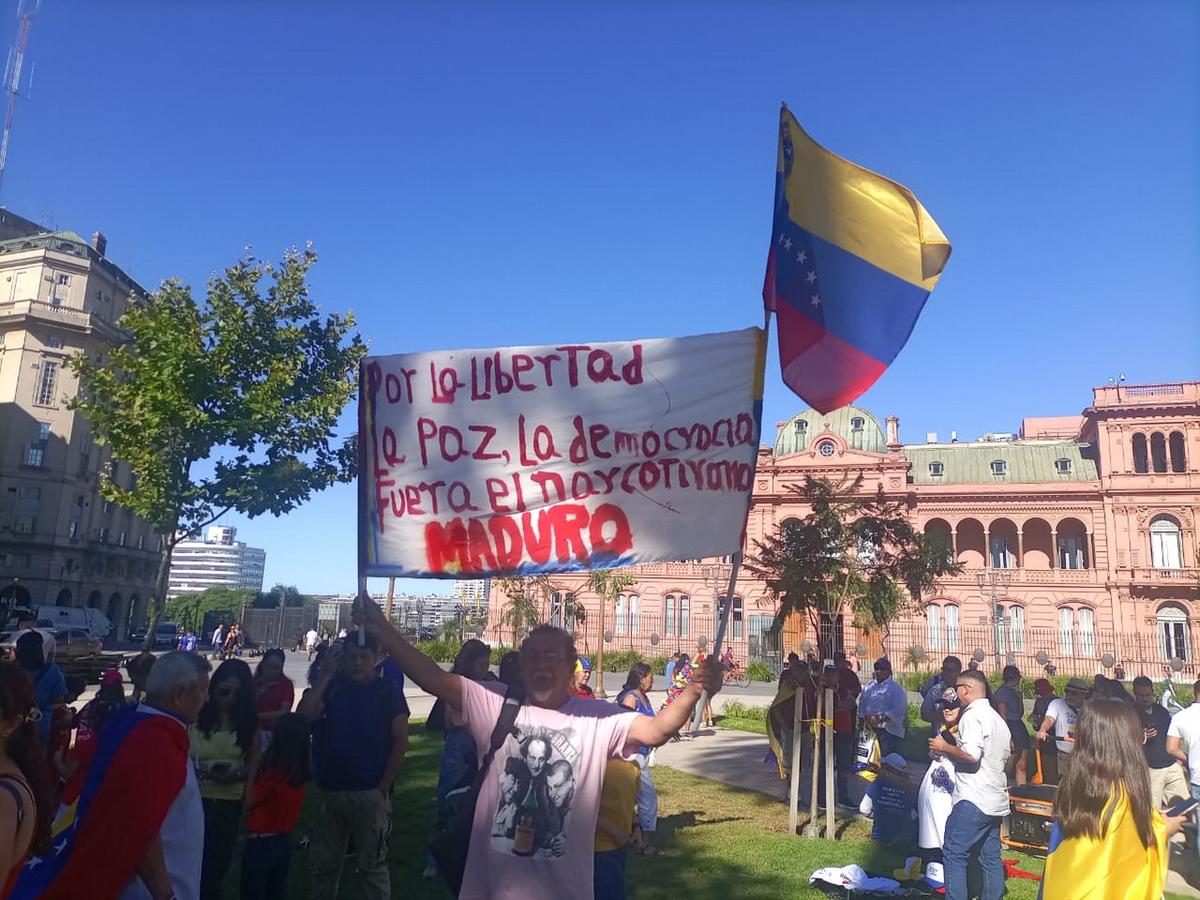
[[76, 643], [167, 635], [138, 636]]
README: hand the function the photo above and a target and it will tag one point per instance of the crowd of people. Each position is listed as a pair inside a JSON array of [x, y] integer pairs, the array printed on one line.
[[148, 792], [173, 764]]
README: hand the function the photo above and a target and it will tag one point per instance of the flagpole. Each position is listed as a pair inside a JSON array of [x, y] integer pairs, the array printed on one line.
[[723, 626]]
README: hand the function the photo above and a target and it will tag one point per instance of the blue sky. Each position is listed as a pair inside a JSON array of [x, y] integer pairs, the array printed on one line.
[[526, 173]]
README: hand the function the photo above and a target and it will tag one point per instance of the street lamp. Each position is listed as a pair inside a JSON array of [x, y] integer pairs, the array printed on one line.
[[997, 583]]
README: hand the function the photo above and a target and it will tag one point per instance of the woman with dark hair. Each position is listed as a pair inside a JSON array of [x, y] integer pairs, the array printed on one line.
[[1008, 703], [459, 759], [274, 691], [635, 696], [225, 745], [510, 668], [25, 811], [1108, 839], [49, 685], [138, 670], [273, 803], [73, 766]]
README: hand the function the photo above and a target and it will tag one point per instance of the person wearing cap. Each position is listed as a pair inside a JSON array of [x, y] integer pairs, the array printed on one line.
[[980, 790], [935, 798], [1061, 715], [883, 707], [932, 690], [583, 673]]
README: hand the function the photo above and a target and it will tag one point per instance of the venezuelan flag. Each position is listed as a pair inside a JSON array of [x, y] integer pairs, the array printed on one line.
[[853, 258], [1113, 867]]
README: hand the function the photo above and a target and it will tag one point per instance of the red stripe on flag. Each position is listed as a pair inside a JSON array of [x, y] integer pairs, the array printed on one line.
[[769, 284], [826, 371]]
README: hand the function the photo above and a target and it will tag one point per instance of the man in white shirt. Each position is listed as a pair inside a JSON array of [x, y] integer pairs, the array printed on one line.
[[310, 642], [1061, 715], [883, 706], [980, 790], [1183, 741]]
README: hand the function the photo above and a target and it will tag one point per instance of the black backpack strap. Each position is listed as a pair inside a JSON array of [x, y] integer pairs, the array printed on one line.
[[513, 698]]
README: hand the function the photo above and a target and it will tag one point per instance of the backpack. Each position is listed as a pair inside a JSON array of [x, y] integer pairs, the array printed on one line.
[[455, 820]]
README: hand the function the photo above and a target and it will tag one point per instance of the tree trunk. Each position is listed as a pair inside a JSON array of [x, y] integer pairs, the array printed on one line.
[[160, 590]]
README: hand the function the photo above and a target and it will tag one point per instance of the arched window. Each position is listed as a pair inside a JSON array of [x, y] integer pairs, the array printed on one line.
[[632, 602], [1140, 457], [735, 623], [1166, 544], [1158, 451], [1174, 638], [1002, 556], [1016, 628], [950, 613], [556, 610], [1066, 631], [1085, 618], [619, 627], [676, 609], [933, 627], [1178, 453]]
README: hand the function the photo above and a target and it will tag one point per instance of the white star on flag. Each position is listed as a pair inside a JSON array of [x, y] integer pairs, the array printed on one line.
[[787, 242], [781, 236], [812, 276], [33, 861], [816, 300], [803, 256], [60, 846]]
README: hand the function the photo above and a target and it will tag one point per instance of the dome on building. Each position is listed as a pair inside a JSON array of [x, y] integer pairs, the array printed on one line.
[[858, 427]]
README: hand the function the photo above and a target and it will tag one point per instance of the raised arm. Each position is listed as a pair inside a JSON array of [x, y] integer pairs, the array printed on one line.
[[647, 731], [428, 675]]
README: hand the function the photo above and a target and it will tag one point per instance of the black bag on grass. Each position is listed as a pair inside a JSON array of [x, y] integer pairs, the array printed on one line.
[[451, 838]]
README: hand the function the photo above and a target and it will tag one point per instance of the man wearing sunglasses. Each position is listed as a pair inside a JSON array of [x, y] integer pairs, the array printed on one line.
[[980, 790]]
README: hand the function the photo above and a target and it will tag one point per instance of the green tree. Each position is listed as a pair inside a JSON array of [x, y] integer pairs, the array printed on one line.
[[521, 613], [853, 552], [608, 585], [288, 592], [229, 404], [188, 610]]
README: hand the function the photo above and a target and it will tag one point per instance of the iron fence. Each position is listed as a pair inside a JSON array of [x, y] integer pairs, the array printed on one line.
[[909, 645]]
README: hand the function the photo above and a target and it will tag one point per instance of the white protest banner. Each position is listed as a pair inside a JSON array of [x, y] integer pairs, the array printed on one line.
[[542, 459]]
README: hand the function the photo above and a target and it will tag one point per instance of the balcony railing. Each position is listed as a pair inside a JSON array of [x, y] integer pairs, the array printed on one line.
[[1163, 576]]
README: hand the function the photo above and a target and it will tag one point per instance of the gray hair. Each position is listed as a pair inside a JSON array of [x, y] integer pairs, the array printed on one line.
[[174, 670]]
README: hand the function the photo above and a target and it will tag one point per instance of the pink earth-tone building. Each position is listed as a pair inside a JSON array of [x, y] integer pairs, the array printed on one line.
[[1077, 536]]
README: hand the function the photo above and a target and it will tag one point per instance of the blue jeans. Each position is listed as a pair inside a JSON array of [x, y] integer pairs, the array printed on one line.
[[1196, 796], [265, 862], [970, 833], [608, 875]]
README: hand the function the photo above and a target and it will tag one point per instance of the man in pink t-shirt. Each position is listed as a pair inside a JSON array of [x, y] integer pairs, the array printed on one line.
[[535, 821]]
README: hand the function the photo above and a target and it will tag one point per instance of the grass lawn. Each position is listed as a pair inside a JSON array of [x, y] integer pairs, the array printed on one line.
[[721, 842]]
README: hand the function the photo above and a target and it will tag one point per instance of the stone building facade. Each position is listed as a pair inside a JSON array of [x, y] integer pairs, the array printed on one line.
[[60, 542], [1077, 536]]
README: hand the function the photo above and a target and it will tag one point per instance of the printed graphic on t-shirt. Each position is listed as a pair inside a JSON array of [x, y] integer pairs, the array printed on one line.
[[537, 787]]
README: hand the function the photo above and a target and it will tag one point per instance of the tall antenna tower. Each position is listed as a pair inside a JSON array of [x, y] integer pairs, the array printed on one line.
[[26, 10]]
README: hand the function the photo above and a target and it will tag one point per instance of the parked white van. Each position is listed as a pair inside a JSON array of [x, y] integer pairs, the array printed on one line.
[[94, 622]]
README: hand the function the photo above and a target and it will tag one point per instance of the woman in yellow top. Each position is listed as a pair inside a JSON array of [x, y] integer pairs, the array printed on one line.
[[225, 746], [1108, 843]]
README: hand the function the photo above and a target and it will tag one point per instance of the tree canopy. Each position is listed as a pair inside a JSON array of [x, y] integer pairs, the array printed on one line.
[[853, 552], [229, 404], [188, 610]]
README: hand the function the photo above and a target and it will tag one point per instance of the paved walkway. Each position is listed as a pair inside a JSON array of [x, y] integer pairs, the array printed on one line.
[[736, 758]]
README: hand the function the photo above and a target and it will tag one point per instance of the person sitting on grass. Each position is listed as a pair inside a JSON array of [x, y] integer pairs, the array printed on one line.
[[891, 802], [563, 742]]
